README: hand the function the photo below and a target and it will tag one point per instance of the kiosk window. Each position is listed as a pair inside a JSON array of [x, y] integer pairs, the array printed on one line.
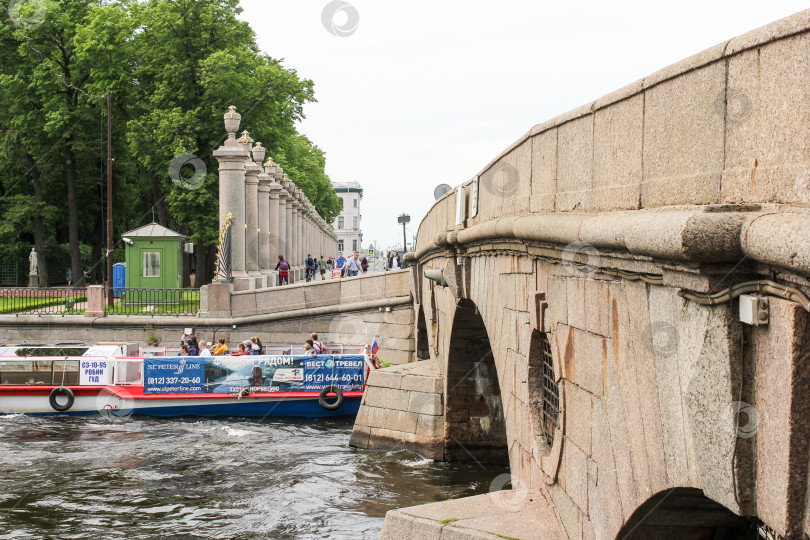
[[151, 264]]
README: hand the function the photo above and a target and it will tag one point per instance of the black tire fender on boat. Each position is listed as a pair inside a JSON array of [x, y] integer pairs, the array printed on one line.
[[331, 406], [63, 390]]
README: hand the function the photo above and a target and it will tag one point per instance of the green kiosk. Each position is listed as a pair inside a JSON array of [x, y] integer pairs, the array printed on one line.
[[154, 259]]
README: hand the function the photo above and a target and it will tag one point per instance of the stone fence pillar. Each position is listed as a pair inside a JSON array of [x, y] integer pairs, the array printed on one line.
[[301, 251], [251, 213], [215, 300], [274, 224], [95, 301], [231, 157], [264, 223], [288, 243], [282, 213]]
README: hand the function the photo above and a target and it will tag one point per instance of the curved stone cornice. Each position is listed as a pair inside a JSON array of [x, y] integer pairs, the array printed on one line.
[[695, 235]]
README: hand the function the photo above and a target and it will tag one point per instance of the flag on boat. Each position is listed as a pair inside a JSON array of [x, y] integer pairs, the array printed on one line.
[[374, 358], [288, 351]]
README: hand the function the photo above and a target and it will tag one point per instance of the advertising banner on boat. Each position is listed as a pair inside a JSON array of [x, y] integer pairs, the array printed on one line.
[[230, 374], [180, 375]]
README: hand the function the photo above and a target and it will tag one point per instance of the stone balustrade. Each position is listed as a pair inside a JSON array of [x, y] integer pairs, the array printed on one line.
[[271, 217]]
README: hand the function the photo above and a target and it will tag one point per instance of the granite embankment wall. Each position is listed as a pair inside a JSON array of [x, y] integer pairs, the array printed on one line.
[[351, 311], [403, 409]]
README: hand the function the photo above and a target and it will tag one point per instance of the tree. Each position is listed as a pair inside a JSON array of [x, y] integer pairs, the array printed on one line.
[[51, 116], [173, 66]]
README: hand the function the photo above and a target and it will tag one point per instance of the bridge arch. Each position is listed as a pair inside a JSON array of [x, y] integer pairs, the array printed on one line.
[[474, 412], [685, 513], [422, 343]]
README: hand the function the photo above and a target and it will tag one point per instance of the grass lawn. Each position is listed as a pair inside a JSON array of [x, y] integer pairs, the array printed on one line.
[[16, 305], [153, 304]]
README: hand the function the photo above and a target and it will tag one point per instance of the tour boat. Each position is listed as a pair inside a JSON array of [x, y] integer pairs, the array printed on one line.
[[242, 386]]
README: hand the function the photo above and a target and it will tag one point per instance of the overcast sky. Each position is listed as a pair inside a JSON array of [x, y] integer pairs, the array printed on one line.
[[420, 93]]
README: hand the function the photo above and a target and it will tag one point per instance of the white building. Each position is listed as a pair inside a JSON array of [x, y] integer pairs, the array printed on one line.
[[347, 224]]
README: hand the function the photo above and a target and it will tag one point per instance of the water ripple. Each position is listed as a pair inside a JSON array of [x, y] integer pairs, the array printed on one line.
[[80, 478]]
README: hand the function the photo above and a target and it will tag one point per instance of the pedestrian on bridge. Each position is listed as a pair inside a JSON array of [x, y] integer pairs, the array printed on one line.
[[283, 268], [310, 267], [322, 267], [354, 266], [394, 262], [340, 263]]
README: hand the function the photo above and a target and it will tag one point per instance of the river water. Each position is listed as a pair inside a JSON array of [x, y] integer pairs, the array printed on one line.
[[66, 477]]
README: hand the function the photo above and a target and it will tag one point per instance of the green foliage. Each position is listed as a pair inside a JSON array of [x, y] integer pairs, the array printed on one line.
[[22, 305], [173, 67]]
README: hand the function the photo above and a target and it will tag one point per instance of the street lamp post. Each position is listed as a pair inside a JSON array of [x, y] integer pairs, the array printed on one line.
[[404, 219]]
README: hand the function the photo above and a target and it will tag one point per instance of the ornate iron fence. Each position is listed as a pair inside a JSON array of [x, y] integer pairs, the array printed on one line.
[[43, 300], [222, 267], [73, 301], [143, 301]]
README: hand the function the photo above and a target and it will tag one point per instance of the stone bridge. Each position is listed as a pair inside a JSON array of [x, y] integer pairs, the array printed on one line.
[[580, 302]]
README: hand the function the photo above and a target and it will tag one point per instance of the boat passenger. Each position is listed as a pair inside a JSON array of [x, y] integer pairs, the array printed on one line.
[[256, 346], [190, 348], [184, 350], [310, 348], [204, 349], [220, 348], [319, 347], [241, 350]]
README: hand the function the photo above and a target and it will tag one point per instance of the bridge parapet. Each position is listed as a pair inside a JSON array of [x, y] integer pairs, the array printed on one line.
[[220, 299], [723, 130]]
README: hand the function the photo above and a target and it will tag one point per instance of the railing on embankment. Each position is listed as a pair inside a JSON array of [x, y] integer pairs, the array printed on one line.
[[74, 301], [144, 301], [43, 300], [349, 312]]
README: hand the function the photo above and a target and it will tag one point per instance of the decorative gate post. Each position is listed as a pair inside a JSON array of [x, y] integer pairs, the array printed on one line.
[[264, 215], [251, 213], [231, 157], [275, 222]]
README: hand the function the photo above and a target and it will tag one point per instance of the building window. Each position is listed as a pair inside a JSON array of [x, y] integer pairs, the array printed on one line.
[[151, 264], [550, 393], [355, 202], [354, 245], [340, 222], [354, 222], [340, 245]]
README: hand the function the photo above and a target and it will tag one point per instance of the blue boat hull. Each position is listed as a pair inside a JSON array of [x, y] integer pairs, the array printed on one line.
[[88, 403], [307, 408]]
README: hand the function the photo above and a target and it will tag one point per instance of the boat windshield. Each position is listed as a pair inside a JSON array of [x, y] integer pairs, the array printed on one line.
[[40, 351], [44, 371]]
